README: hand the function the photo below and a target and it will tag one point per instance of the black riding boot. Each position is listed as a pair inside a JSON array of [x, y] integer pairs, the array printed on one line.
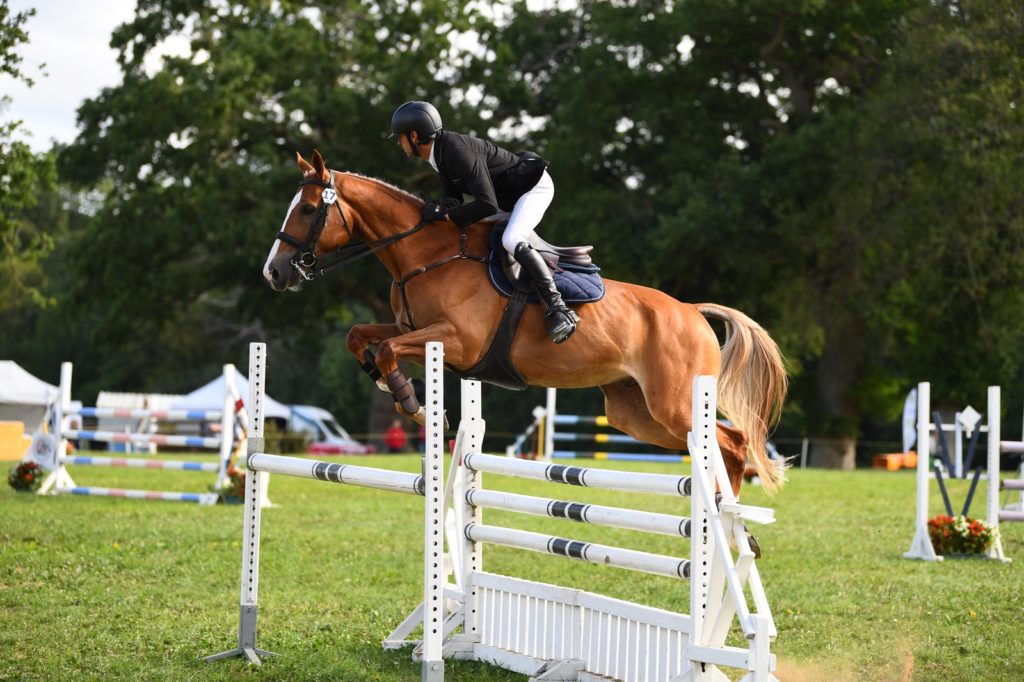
[[559, 321]]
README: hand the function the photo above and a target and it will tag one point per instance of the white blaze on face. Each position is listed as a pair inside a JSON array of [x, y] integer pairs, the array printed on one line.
[[277, 242]]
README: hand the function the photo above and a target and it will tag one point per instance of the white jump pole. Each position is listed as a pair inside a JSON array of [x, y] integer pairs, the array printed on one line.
[[549, 425], [994, 475], [921, 546]]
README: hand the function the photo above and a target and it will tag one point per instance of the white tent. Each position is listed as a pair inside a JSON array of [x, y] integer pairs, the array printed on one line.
[[23, 397], [211, 397]]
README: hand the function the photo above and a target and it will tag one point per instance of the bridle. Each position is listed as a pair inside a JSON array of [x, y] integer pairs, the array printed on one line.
[[305, 259]]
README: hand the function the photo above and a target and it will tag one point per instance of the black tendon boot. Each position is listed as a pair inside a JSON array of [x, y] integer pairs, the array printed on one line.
[[559, 321]]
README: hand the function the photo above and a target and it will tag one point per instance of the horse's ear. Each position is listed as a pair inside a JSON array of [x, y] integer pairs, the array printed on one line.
[[319, 165], [304, 167]]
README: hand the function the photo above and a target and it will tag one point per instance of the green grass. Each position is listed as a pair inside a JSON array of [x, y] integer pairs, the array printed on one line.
[[94, 588]]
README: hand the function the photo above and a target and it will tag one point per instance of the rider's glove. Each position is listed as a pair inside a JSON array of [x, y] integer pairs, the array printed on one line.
[[437, 209]]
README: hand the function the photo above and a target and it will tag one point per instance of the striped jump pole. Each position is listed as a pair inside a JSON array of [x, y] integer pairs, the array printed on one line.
[[165, 496], [622, 481], [145, 413], [429, 485], [612, 517], [598, 438], [552, 435], [365, 477], [590, 552], [617, 457], [144, 438], [140, 463]]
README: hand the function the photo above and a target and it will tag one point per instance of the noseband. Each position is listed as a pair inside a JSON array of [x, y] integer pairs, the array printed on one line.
[[305, 258]]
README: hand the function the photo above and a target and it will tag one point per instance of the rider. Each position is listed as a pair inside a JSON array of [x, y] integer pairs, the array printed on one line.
[[498, 181]]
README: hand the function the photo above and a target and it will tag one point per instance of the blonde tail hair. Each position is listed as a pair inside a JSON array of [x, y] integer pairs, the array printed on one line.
[[752, 387]]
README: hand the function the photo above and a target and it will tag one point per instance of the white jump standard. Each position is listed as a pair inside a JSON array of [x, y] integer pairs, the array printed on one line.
[[921, 546], [430, 485]]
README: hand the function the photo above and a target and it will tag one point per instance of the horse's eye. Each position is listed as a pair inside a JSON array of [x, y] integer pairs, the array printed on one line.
[[308, 208]]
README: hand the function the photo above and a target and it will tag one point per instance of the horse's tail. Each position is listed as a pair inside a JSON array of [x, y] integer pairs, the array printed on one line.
[[752, 386]]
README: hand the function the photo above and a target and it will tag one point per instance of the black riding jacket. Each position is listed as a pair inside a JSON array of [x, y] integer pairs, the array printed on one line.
[[493, 176]]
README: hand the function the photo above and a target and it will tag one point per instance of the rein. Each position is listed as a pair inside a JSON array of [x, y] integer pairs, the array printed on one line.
[[306, 260]]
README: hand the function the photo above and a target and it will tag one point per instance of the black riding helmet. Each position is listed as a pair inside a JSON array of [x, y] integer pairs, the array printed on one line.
[[419, 116]]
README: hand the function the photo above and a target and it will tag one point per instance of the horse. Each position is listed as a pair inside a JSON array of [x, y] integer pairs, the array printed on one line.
[[639, 345]]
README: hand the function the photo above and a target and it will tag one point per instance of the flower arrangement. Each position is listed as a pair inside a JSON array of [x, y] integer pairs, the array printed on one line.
[[232, 489], [26, 477], [959, 535]]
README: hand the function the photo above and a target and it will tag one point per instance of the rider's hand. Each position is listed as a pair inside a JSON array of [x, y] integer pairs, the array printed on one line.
[[437, 209], [434, 209]]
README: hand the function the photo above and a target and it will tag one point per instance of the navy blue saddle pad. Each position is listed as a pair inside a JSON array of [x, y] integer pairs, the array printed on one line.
[[577, 284]]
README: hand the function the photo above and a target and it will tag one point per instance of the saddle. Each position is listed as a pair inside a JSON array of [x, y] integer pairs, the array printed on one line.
[[576, 277], [575, 274], [558, 258]]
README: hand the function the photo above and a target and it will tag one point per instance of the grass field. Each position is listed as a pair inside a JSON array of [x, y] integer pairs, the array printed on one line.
[[102, 589]]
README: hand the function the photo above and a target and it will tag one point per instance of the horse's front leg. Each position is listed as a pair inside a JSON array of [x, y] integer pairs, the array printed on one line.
[[411, 347], [359, 340]]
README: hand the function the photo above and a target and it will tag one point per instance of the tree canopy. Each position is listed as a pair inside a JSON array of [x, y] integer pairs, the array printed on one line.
[[24, 177]]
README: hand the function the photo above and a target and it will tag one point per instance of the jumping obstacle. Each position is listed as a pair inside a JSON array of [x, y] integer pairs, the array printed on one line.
[[543, 434], [559, 633], [549, 632], [232, 419], [958, 465]]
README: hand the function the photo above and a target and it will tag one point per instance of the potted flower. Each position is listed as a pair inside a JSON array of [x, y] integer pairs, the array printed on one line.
[[961, 535], [232, 489], [26, 477]]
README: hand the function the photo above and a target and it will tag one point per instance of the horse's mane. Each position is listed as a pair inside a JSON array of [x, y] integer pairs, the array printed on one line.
[[387, 186]]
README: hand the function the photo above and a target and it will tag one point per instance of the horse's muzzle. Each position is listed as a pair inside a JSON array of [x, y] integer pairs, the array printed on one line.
[[282, 275]]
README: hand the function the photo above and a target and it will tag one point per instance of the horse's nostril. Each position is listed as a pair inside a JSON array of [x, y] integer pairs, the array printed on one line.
[[273, 274]]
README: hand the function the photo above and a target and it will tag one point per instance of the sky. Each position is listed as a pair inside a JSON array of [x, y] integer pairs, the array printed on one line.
[[72, 38]]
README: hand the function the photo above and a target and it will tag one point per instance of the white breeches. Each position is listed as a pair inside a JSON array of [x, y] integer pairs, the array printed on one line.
[[527, 212]]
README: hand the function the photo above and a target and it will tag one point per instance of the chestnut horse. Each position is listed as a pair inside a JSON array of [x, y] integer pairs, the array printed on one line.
[[639, 345]]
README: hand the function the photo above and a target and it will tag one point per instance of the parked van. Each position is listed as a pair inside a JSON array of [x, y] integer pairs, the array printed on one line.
[[328, 436]]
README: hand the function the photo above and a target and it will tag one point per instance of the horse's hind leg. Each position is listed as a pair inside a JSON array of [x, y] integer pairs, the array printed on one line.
[[734, 451], [626, 409]]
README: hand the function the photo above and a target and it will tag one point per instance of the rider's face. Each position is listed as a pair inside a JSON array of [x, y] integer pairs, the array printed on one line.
[[403, 142]]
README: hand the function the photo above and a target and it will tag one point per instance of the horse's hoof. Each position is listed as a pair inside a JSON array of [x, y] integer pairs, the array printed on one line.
[[383, 385], [420, 416], [754, 546]]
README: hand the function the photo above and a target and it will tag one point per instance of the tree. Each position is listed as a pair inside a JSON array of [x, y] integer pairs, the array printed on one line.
[[933, 182], [24, 177]]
